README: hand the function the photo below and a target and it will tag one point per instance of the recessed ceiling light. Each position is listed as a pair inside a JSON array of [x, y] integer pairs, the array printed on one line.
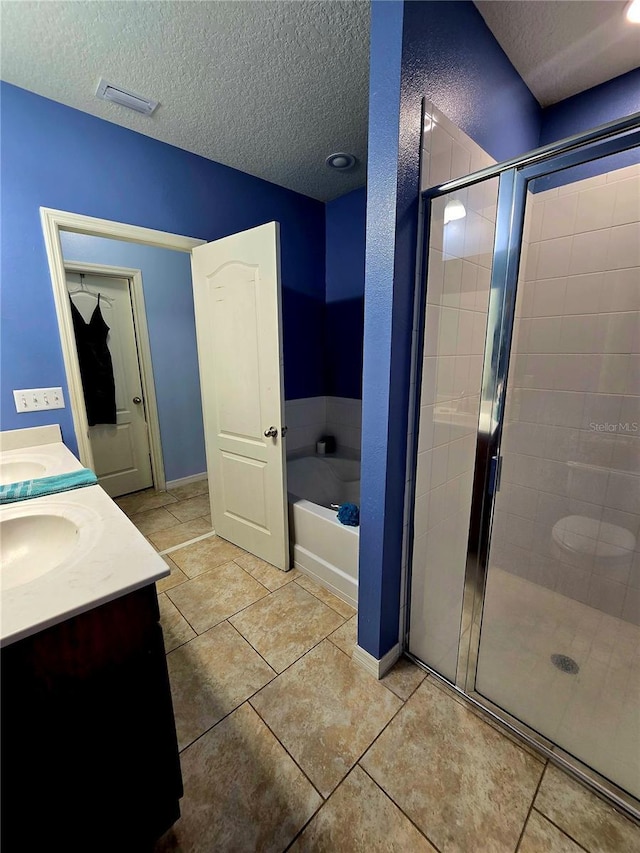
[[633, 12], [340, 161]]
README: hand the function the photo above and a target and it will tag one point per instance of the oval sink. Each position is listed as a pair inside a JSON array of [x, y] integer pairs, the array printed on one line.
[[15, 472], [33, 545]]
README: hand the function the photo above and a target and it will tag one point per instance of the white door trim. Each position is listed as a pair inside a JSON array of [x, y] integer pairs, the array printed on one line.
[[144, 356], [54, 221]]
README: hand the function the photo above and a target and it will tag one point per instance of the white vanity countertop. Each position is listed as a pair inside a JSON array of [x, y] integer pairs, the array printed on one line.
[[107, 558], [47, 459]]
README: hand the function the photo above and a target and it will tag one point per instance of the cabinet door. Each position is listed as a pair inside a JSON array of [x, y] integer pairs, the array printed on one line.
[[88, 735]]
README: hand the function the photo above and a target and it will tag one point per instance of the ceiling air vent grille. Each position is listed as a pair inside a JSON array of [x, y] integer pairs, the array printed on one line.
[[118, 95]]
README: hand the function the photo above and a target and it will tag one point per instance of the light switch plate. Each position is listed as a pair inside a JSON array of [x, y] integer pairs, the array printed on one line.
[[38, 399]]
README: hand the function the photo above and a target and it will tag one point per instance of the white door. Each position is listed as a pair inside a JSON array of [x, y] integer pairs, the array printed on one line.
[[236, 286], [120, 451]]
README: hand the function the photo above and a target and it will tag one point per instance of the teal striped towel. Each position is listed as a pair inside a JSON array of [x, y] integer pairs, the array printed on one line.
[[47, 485]]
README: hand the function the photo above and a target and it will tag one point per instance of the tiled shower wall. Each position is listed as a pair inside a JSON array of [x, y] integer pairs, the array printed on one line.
[[311, 417], [572, 426], [455, 319]]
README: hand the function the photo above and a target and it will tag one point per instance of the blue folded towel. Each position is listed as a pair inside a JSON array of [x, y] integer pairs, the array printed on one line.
[[349, 514], [26, 489]]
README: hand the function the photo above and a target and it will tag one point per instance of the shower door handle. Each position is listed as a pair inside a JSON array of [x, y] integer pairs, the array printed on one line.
[[272, 432], [495, 473]]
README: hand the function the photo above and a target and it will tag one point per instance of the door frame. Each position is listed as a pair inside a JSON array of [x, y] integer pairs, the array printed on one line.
[[143, 348], [54, 221]]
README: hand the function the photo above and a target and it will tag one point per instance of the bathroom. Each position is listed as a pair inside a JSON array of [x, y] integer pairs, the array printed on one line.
[[504, 129]]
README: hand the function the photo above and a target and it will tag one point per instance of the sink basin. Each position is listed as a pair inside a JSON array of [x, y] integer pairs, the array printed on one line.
[[28, 463], [14, 472], [37, 537], [33, 545]]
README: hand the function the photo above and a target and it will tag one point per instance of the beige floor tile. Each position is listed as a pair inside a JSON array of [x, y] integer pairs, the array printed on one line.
[[541, 836], [329, 598], [268, 575], [175, 628], [210, 676], [153, 520], [243, 793], [191, 508], [359, 818], [403, 678], [590, 821], [456, 777], [346, 636], [190, 490], [204, 555], [176, 577], [326, 711], [143, 501], [483, 715], [286, 624], [179, 533], [216, 595]]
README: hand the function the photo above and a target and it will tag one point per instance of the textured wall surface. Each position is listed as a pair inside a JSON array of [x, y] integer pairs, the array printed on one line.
[[54, 156], [345, 238], [168, 297], [378, 510]]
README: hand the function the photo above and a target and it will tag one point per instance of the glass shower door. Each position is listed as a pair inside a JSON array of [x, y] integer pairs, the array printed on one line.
[[560, 630], [460, 256]]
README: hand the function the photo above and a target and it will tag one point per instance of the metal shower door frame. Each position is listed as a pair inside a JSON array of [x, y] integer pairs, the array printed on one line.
[[514, 177]]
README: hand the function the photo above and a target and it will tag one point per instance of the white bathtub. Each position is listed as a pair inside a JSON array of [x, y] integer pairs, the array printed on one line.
[[322, 548]]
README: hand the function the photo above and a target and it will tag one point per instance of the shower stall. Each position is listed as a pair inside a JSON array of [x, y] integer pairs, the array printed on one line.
[[524, 583]]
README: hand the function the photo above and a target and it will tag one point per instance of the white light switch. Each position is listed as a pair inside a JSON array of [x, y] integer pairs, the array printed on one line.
[[38, 399]]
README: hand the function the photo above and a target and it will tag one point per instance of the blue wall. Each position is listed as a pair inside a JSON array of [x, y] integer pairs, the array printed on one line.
[[166, 281], [612, 100], [55, 156], [444, 51], [345, 238]]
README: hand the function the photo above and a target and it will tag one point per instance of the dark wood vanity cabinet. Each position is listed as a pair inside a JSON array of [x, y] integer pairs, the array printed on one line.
[[89, 750]]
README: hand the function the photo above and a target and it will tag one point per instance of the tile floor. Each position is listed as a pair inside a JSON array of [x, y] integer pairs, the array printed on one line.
[[286, 744]]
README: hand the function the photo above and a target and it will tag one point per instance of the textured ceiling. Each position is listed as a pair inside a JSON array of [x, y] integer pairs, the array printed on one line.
[[273, 87], [270, 88], [562, 47]]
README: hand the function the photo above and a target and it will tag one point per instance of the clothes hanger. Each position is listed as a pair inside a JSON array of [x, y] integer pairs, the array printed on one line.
[[83, 289]]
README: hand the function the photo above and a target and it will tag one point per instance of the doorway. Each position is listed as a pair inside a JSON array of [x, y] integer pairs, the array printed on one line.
[[524, 582], [120, 438], [55, 223], [178, 366]]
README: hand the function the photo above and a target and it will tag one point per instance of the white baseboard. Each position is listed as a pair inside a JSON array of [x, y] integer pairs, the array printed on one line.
[[377, 668], [193, 478]]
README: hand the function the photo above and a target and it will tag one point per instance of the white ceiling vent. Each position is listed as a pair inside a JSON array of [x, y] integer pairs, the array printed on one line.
[[118, 95]]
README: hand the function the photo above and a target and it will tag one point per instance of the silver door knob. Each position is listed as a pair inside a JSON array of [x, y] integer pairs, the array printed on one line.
[[272, 432], [137, 400]]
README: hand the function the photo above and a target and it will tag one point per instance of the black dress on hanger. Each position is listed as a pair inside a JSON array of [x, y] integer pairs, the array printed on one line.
[[96, 367]]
